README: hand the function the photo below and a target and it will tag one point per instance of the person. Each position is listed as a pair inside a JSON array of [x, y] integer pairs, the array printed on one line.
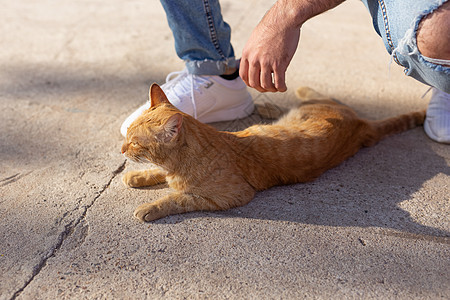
[[212, 87]]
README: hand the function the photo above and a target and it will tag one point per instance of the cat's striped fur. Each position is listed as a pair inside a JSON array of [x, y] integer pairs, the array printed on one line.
[[214, 170]]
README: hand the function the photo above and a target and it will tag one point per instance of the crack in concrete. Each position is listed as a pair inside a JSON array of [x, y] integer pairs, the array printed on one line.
[[68, 230], [13, 178], [417, 236]]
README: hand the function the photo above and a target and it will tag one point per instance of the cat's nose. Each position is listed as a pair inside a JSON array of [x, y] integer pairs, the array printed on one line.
[[124, 148]]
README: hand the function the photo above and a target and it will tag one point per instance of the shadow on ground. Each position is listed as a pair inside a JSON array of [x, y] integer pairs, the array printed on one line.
[[367, 190]]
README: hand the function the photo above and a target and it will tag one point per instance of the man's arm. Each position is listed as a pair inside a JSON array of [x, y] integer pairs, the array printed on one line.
[[274, 41]]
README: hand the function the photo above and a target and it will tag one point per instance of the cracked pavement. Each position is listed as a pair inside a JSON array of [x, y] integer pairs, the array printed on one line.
[[377, 226]]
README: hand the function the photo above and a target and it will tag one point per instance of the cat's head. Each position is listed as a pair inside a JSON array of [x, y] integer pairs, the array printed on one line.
[[153, 134]]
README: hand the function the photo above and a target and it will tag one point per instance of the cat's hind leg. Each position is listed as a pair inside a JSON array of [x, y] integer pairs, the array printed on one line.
[[306, 93], [174, 203], [144, 178]]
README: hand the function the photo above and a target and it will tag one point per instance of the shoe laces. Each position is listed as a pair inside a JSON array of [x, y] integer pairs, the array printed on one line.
[[184, 83]]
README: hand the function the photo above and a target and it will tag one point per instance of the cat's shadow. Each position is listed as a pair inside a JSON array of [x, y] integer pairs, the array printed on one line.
[[367, 190], [371, 189]]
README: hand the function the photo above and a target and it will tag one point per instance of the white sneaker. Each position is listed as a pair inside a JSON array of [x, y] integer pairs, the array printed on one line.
[[437, 122], [206, 98]]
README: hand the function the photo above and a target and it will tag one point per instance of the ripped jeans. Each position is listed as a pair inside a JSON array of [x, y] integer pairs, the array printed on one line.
[[396, 21], [202, 38]]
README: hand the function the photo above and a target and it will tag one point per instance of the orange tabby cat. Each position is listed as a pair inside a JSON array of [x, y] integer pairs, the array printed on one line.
[[214, 170]]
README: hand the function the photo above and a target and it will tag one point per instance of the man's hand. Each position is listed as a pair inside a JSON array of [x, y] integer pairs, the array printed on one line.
[[273, 42], [268, 53]]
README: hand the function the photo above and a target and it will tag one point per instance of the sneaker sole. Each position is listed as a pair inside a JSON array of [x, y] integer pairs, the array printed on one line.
[[433, 136]]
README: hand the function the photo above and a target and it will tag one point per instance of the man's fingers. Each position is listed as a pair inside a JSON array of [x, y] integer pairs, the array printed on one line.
[[243, 70], [266, 80], [279, 79], [254, 75], [263, 79]]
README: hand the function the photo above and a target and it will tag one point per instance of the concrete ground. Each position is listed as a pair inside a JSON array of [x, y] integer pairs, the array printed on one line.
[[377, 226]]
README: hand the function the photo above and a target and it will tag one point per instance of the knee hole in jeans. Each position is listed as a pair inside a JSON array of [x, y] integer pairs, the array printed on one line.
[[433, 34]]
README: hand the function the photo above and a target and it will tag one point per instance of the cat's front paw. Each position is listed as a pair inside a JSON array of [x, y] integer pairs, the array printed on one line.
[[129, 179], [143, 178], [147, 212], [134, 179]]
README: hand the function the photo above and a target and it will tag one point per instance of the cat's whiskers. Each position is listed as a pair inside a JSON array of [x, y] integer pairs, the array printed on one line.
[[134, 158], [142, 159]]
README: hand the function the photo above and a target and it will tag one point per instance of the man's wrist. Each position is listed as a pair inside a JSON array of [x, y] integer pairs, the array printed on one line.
[[297, 12]]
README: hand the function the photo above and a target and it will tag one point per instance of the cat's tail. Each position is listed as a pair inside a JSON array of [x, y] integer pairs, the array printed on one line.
[[383, 128], [306, 93]]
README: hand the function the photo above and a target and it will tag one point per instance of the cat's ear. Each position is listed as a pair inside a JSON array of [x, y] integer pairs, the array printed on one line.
[[157, 96], [172, 127]]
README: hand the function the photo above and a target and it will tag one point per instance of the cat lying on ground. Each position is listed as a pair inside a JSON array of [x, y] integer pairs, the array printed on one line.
[[215, 170]]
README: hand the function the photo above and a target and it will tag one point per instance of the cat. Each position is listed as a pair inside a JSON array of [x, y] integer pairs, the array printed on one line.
[[215, 170]]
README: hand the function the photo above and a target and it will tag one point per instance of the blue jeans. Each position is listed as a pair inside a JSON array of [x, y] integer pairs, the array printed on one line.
[[396, 21], [202, 38]]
